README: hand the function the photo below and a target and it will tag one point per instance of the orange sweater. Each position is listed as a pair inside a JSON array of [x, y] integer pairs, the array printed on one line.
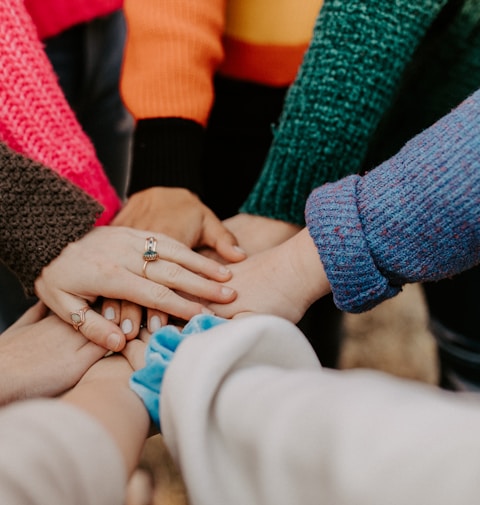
[[176, 46]]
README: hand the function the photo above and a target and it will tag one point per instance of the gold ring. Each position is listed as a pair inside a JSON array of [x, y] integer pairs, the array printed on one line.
[[150, 253], [78, 317]]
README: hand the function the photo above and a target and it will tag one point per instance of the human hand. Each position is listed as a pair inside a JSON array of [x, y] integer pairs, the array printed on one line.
[[284, 280], [41, 355], [257, 233], [180, 214], [108, 262]]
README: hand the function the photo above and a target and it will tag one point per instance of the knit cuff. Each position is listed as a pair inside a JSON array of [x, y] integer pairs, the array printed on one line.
[[40, 214], [333, 222], [167, 152]]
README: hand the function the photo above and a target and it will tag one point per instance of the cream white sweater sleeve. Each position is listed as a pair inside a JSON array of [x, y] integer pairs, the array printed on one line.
[[52, 453], [251, 417]]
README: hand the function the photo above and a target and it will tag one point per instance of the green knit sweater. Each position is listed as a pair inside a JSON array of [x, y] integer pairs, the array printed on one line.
[[375, 74]]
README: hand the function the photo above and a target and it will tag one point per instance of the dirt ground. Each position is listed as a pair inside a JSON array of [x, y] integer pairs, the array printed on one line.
[[393, 338]]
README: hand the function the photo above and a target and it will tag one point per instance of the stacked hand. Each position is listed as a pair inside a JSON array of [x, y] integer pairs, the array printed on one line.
[[283, 280], [111, 262], [40, 355]]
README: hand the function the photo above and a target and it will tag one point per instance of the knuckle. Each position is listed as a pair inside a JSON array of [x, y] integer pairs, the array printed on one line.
[[171, 249], [160, 293], [172, 271]]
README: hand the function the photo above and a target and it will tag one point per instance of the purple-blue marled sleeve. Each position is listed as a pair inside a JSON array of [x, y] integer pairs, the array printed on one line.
[[414, 218]]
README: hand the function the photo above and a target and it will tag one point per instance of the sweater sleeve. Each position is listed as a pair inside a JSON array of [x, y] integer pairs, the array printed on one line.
[[35, 118], [54, 454], [250, 417], [414, 218], [172, 52], [40, 214], [348, 79]]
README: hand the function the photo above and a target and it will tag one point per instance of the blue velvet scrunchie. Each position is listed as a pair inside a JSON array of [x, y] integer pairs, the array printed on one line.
[[147, 382]]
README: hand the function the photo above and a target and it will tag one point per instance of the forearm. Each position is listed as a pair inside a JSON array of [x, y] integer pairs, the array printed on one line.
[[40, 213], [414, 218], [119, 410], [225, 349], [172, 52], [35, 118], [257, 420], [346, 83]]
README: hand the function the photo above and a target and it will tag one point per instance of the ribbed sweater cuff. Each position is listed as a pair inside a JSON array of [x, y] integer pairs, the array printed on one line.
[[333, 222], [167, 152]]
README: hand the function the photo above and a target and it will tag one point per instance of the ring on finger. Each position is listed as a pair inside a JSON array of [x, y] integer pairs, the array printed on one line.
[[78, 317], [150, 253]]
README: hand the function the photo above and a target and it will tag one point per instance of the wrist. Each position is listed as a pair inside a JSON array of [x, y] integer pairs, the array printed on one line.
[[309, 266]]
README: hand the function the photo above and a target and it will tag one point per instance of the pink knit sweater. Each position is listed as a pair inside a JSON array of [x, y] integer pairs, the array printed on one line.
[[35, 118], [53, 16]]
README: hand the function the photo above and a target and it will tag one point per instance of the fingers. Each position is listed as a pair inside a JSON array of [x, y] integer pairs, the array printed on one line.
[[94, 326], [173, 276], [156, 319], [111, 310], [128, 316], [134, 351], [130, 319], [111, 262], [224, 242], [177, 253], [158, 296]]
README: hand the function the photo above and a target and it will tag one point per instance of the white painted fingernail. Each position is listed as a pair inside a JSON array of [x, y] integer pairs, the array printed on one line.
[[224, 270], [239, 249], [127, 326], [155, 323], [109, 313]]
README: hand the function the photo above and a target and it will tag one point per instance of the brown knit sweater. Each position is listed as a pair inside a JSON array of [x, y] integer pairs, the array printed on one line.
[[40, 213]]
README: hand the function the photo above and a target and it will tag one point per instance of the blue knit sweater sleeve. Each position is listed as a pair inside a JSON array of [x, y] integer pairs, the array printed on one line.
[[414, 218]]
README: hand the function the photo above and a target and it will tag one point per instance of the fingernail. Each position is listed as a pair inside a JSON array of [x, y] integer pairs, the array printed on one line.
[[113, 341], [239, 249], [127, 326], [109, 313], [207, 311], [227, 291], [155, 323], [224, 270]]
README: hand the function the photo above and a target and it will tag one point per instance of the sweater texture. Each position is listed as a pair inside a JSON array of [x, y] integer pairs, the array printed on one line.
[[35, 118], [273, 427], [40, 214], [51, 17], [173, 51], [375, 75], [54, 453], [414, 218]]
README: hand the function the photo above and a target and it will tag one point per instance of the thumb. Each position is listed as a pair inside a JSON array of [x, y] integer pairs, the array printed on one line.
[[223, 241]]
